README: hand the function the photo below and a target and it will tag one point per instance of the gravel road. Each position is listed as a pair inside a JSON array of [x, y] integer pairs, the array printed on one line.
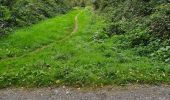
[[106, 93]]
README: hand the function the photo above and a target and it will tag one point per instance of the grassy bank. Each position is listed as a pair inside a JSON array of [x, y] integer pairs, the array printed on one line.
[[87, 58]]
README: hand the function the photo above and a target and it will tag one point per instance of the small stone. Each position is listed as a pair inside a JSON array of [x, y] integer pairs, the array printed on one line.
[[64, 87], [67, 92], [56, 91]]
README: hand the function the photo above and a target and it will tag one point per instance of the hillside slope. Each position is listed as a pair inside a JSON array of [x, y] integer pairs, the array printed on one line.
[[86, 58]]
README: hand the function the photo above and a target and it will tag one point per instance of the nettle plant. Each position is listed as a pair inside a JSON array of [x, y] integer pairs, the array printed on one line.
[[162, 54]]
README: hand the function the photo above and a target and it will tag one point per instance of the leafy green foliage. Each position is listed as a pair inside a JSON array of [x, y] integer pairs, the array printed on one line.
[[18, 13], [146, 23]]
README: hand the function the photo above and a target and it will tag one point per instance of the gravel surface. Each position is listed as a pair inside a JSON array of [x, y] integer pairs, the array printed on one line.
[[106, 93]]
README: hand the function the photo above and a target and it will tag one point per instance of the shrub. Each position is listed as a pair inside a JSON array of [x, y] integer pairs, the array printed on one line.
[[146, 23], [17, 13]]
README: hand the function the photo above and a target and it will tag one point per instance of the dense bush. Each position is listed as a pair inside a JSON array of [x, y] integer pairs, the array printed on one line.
[[80, 3], [146, 23], [17, 13]]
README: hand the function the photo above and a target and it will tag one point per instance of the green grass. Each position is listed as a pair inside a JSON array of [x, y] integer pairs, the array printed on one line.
[[87, 58], [30, 38]]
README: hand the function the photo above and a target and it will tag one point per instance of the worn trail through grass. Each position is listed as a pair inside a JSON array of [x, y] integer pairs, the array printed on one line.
[[49, 44], [73, 50]]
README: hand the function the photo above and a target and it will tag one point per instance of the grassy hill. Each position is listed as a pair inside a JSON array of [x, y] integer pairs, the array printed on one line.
[[37, 56]]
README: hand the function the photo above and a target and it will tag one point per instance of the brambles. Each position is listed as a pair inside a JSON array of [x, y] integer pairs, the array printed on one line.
[[146, 23], [19, 13]]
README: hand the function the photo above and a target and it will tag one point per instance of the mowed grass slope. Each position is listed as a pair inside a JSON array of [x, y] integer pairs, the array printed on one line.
[[87, 58], [28, 39]]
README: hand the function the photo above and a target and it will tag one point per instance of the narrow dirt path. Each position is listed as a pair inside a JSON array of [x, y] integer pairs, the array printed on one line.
[[109, 93], [64, 38], [50, 44]]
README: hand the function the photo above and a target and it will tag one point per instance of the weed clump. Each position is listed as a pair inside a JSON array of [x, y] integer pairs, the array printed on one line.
[[145, 23]]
